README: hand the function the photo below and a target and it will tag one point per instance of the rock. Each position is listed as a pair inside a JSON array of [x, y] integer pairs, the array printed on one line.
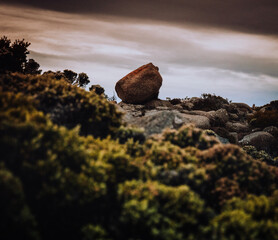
[[272, 130], [187, 105], [219, 117], [222, 140], [231, 108], [156, 103], [199, 121], [216, 118], [233, 116], [233, 137], [243, 107], [237, 127], [224, 133], [140, 86], [155, 121], [261, 141]]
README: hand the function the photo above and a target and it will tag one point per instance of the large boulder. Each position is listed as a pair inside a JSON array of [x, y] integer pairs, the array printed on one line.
[[140, 86], [262, 141]]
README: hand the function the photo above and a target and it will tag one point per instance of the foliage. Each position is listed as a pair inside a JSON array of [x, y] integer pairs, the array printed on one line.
[[13, 57], [70, 76], [97, 89], [252, 218], [125, 133], [260, 155], [145, 216], [66, 104], [209, 102], [57, 184], [264, 119], [16, 220], [190, 136]]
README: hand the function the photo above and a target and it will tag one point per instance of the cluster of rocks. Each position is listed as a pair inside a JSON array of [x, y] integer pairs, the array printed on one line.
[[139, 91]]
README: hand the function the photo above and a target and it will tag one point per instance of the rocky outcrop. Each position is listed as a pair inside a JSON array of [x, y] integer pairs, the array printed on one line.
[[155, 120], [229, 122], [140, 86]]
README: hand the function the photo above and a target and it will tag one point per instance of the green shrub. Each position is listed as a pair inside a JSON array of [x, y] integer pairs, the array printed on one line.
[[256, 218], [155, 211], [259, 155], [58, 184], [190, 136], [66, 105], [125, 133], [242, 174], [16, 220]]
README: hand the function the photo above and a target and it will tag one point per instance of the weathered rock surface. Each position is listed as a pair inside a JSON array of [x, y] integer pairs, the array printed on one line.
[[261, 140], [154, 121], [272, 130], [140, 86], [229, 123], [237, 127]]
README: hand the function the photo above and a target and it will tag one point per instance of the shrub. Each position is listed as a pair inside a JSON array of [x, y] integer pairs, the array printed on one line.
[[57, 184], [16, 220], [97, 89], [252, 218], [242, 174], [175, 101], [125, 133], [264, 119], [209, 102], [155, 211], [66, 104], [189, 136], [259, 155]]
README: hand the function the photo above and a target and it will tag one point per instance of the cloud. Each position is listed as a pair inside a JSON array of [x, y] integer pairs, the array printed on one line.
[[252, 16], [240, 66]]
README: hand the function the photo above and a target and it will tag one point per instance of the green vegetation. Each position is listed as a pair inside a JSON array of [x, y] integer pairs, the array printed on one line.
[[66, 104], [70, 170]]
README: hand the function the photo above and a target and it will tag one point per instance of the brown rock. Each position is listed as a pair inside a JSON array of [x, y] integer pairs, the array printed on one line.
[[262, 141], [237, 127], [140, 86], [158, 103]]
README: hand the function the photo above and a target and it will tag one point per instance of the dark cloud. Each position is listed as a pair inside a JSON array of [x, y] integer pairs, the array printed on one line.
[[254, 16]]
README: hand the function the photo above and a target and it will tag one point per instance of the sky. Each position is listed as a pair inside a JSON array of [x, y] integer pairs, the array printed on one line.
[[228, 48]]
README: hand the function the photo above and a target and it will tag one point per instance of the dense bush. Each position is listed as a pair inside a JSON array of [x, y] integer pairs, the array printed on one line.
[[57, 184], [252, 218], [70, 76], [209, 102], [260, 155], [264, 119], [66, 104]]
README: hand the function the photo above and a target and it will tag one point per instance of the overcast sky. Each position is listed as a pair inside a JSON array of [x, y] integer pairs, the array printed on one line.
[[229, 48]]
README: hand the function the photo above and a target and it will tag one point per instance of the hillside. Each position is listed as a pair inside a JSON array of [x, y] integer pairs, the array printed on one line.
[[75, 165]]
